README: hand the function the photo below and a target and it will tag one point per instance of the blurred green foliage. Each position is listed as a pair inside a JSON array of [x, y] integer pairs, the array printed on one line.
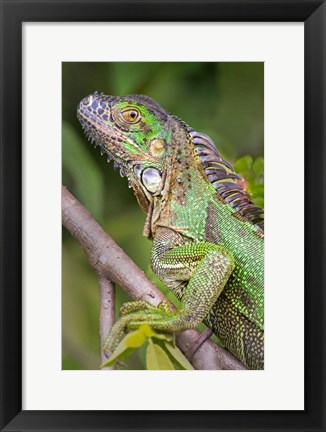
[[252, 170], [224, 100]]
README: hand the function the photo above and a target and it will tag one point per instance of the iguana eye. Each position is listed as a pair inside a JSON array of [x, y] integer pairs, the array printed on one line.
[[131, 115]]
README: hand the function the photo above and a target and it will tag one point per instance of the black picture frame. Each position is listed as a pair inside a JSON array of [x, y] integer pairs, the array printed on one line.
[[13, 14]]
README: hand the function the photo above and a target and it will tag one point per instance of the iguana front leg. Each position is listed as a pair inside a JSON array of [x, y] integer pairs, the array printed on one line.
[[205, 266]]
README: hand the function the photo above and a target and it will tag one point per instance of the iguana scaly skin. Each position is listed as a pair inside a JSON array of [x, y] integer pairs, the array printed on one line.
[[207, 235]]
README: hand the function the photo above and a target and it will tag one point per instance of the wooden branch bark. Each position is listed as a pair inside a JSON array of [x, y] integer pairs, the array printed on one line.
[[107, 312], [110, 262]]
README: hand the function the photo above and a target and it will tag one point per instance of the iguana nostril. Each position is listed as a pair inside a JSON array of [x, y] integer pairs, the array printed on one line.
[[86, 101]]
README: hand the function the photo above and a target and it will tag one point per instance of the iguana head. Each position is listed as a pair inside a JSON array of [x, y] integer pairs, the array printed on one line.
[[133, 131], [156, 151]]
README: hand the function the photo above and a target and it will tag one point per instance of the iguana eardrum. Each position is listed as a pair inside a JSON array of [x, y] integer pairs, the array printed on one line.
[[208, 238]]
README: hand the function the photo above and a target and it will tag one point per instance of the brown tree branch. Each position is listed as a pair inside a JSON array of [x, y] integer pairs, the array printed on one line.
[[107, 312], [111, 263]]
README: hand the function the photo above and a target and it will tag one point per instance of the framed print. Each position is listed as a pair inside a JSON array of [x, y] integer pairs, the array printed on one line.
[[243, 88]]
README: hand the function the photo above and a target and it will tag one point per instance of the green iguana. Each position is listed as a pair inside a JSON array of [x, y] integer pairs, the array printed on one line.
[[208, 237]]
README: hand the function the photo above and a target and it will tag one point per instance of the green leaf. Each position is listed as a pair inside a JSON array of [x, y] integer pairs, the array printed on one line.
[[257, 190], [128, 344], [163, 336], [244, 165], [258, 167], [121, 352], [151, 333], [157, 359], [178, 356], [135, 339], [147, 330]]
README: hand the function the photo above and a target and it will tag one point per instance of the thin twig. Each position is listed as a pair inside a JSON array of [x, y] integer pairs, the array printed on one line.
[[110, 262], [107, 312]]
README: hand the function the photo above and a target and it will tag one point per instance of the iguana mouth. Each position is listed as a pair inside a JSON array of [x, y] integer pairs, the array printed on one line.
[[93, 120], [94, 112]]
